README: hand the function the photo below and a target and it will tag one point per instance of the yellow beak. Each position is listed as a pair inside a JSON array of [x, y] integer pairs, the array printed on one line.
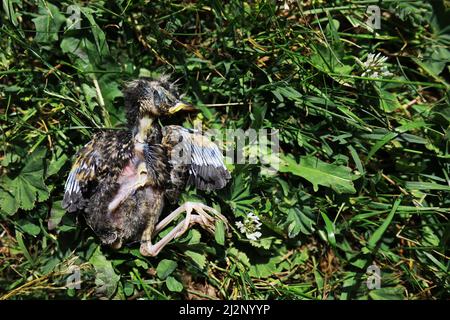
[[178, 106]]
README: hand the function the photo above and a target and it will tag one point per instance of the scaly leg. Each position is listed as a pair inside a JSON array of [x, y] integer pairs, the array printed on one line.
[[202, 218]]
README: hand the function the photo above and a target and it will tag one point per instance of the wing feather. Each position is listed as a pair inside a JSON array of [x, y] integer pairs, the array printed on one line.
[[198, 155], [83, 171], [106, 153]]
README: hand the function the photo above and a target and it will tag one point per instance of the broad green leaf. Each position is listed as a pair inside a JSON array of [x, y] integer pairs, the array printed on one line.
[[128, 289], [51, 264], [110, 89], [27, 187], [396, 293], [75, 46], [220, 232], [359, 263], [56, 214], [31, 228], [239, 256], [338, 178], [141, 263], [10, 158], [266, 269], [165, 268], [48, 22], [433, 65], [8, 201], [105, 277], [102, 49], [195, 237], [326, 59], [198, 258], [241, 199], [429, 236], [264, 243], [298, 221], [261, 270], [288, 93], [300, 258], [411, 125], [58, 160], [319, 280], [173, 284], [388, 101]]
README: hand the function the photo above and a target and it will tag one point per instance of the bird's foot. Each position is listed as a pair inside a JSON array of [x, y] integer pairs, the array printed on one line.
[[206, 217]]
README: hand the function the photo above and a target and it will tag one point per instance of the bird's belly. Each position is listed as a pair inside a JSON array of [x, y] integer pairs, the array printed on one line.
[[136, 205], [134, 215]]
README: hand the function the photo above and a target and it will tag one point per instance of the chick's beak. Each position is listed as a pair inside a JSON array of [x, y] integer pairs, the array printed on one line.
[[179, 106]]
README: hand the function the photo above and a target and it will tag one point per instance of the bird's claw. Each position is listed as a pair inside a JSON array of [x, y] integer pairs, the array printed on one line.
[[205, 216]]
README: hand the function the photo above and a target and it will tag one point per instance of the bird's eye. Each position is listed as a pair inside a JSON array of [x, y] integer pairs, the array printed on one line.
[[156, 98]]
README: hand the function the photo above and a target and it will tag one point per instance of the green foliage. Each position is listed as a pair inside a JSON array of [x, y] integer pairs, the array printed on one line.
[[26, 187], [363, 173], [105, 279], [165, 268], [338, 178]]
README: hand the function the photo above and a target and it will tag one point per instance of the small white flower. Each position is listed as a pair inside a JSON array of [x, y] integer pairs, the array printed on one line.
[[250, 226], [254, 236], [374, 66], [240, 226]]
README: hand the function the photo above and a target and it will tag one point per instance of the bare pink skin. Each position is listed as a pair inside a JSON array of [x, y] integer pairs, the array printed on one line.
[[129, 181], [129, 178]]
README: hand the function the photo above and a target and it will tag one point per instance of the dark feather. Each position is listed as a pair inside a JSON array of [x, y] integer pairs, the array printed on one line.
[[106, 154], [156, 163]]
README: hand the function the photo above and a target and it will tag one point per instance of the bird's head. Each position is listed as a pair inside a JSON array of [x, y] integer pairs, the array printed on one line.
[[152, 98]]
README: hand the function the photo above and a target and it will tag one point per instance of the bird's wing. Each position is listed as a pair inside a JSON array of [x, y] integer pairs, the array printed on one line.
[[195, 154], [106, 153]]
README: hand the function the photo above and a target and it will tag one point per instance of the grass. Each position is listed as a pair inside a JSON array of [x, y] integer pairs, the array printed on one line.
[[364, 174]]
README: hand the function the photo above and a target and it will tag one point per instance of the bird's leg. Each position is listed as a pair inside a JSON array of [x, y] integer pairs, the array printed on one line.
[[202, 218], [188, 207], [129, 185]]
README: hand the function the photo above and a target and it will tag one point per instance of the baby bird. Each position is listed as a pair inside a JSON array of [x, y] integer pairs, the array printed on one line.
[[122, 179]]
